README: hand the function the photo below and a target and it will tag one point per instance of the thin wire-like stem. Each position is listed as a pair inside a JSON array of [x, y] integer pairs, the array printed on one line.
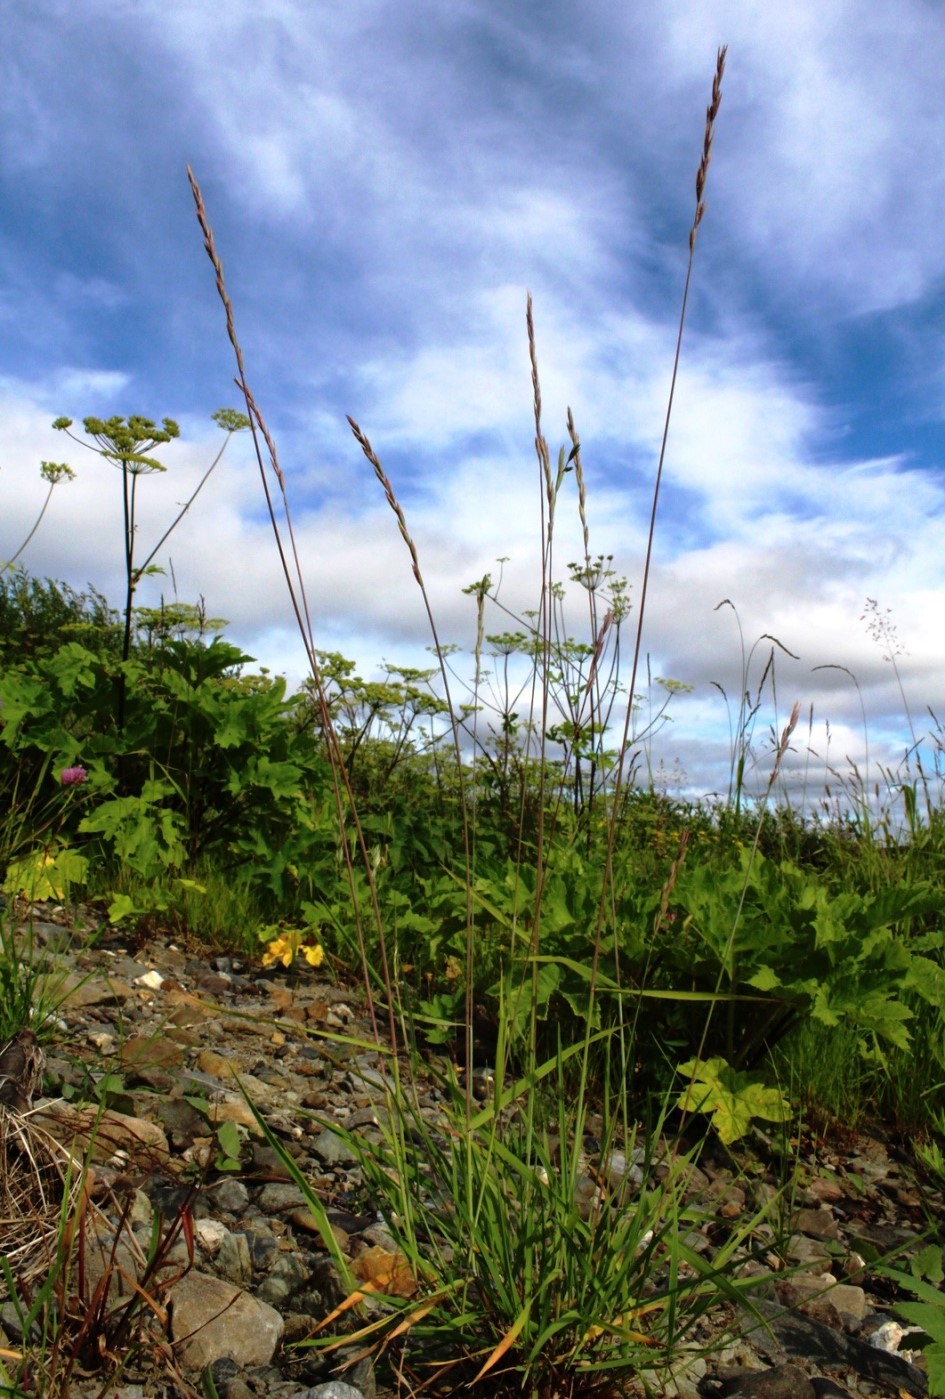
[[369, 452], [39, 520], [712, 112], [187, 504], [294, 582], [544, 620]]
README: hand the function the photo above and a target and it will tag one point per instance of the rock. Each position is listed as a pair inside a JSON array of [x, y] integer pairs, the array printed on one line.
[[621, 1172], [850, 1302], [890, 1336], [105, 1135], [817, 1224], [811, 1340], [150, 981], [210, 1235], [162, 1081], [255, 1235], [302, 1218], [233, 1261], [876, 1239], [289, 1273], [234, 1109], [723, 1196], [809, 1254], [151, 1051], [827, 1189], [334, 1389], [229, 1195], [212, 1320], [112, 1262], [278, 1197], [11, 1321], [217, 1065], [262, 1246], [332, 1149], [681, 1381], [873, 1163], [844, 1306], [783, 1382], [214, 983], [223, 1373], [181, 1121], [82, 992], [236, 1388], [188, 1010]]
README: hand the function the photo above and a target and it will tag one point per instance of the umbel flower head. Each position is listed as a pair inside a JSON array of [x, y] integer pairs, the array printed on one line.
[[73, 777]]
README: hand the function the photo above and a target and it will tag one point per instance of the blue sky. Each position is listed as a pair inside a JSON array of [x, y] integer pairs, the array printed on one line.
[[386, 180]]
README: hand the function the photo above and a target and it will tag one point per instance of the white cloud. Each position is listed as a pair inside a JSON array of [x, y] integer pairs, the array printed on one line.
[[801, 580]]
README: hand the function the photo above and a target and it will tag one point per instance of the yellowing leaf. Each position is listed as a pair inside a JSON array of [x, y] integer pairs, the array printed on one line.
[[731, 1099], [385, 1272], [507, 1341]]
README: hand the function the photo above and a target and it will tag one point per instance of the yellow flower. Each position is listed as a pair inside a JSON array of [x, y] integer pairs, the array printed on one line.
[[290, 945], [279, 950]]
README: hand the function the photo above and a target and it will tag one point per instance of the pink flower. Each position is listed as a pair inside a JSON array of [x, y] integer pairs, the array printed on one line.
[[72, 777]]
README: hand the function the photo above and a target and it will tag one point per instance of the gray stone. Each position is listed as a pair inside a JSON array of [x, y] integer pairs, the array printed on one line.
[[290, 1272], [847, 1303], [621, 1172], [331, 1149], [107, 1136], [237, 1388], [277, 1197], [230, 1195], [110, 1263], [379, 1235], [233, 1261], [360, 1374], [850, 1302], [817, 1224], [681, 1381], [809, 1254], [84, 991], [334, 1389], [783, 1382], [262, 1244], [211, 1319], [181, 1121], [826, 1189], [812, 1341], [11, 1322]]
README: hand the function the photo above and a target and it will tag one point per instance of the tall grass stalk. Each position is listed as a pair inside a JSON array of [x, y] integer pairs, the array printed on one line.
[[607, 892], [345, 803]]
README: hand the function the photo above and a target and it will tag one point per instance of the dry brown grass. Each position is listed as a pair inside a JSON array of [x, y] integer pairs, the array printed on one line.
[[40, 1184]]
